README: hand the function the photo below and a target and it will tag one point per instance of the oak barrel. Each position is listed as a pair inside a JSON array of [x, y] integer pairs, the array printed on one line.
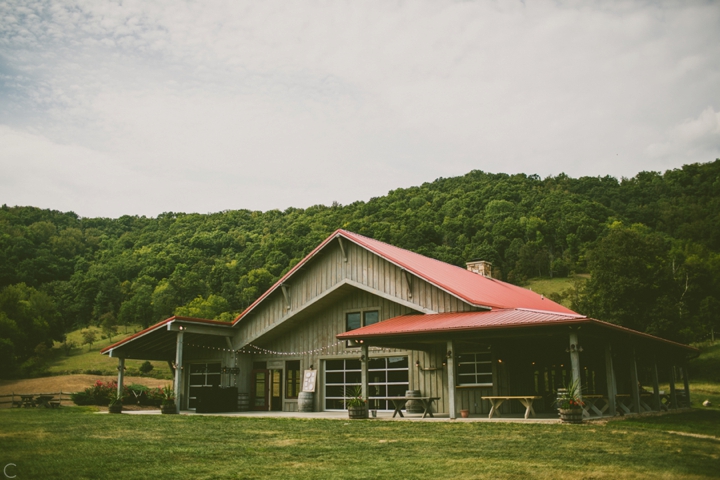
[[306, 402], [413, 406]]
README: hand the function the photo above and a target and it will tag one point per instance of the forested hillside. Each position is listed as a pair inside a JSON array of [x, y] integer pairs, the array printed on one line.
[[651, 245]]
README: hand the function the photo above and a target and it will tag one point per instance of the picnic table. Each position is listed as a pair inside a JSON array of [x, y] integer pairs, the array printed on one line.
[[598, 404], [44, 400], [526, 400], [399, 404], [27, 400]]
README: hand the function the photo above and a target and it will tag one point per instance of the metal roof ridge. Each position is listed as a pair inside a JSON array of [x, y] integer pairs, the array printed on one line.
[[549, 312]]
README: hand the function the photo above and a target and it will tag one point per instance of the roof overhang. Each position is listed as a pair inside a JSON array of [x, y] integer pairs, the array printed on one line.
[[418, 331], [158, 342]]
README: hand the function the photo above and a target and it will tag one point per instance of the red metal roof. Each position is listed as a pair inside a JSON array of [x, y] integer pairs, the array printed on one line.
[[494, 319], [447, 322], [160, 324], [471, 287], [468, 286]]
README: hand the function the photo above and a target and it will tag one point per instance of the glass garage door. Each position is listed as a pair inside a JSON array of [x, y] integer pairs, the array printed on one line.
[[387, 377]]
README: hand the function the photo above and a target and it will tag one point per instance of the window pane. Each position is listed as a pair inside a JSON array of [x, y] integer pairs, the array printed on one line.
[[371, 317], [398, 376], [352, 364], [376, 377], [397, 390], [334, 377], [352, 321], [334, 365], [353, 377], [376, 364], [398, 362]]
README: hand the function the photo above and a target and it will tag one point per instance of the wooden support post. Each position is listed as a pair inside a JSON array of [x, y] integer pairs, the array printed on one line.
[[610, 378], [121, 375], [575, 359], [686, 381], [364, 361], [178, 369], [656, 387], [634, 383], [451, 378], [673, 392]]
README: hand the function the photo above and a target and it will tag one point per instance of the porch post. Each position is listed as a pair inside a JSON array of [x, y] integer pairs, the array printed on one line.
[[121, 375], [451, 378], [178, 369], [673, 393], [575, 359], [634, 387], [686, 381], [610, 378], [364, 360], [656, 386]]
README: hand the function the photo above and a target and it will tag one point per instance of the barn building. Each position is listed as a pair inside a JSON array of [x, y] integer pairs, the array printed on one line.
[[357, 312]]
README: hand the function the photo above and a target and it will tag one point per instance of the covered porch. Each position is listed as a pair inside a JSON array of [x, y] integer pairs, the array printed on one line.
[[512, 362]]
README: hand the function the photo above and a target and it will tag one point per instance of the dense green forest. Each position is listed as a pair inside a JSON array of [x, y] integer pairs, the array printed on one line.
[[651, 245]]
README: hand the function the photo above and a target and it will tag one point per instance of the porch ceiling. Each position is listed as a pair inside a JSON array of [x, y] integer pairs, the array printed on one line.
[[158, 341]]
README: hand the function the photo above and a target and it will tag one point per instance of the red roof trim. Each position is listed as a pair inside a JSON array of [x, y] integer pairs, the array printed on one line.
[[160, 324]]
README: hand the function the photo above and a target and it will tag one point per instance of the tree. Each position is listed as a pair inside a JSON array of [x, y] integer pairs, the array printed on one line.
[[89, 336]]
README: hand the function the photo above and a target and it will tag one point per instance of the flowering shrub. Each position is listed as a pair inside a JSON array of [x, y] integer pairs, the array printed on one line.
[[102, 393], [571, 397]]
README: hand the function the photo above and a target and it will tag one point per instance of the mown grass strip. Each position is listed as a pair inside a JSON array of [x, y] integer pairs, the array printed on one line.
[[75, 442]]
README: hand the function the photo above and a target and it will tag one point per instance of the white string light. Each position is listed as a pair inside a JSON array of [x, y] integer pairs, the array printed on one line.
[[254, 349]]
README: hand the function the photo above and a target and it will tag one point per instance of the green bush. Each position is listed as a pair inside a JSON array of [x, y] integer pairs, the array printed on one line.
[[82, 398], [146, 367], [102, 393]]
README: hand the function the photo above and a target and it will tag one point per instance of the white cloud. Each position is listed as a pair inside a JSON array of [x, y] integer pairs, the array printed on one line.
[[274, 104]]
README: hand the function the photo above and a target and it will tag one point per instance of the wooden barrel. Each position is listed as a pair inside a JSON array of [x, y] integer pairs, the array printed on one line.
[[413, 406], [243, 402], [571, 415], [306, 402]]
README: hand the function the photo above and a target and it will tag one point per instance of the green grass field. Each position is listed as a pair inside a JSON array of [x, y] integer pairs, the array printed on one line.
[[85, 358], [78, 443]]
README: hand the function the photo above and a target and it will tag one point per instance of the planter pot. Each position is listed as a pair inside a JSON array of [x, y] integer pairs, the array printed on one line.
[[168, 409], [112, 408], [357, 412], [464, 413], [571, 415]]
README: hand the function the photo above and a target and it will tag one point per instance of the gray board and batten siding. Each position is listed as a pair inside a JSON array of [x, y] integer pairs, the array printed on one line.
[[334, 282]]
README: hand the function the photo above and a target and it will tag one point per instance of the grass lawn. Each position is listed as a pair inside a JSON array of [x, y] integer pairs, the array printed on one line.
[[78, 443]]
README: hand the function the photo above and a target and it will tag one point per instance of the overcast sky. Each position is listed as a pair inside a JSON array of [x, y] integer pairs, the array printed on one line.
[[141, 107]]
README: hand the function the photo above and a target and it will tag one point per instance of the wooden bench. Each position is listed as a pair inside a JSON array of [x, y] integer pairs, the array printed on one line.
[[399, 404], [598, 404], [526, 400], [54, 404]]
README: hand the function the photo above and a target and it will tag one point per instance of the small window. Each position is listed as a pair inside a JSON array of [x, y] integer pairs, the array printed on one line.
[[475, 369], [355, 320], [292, 377]]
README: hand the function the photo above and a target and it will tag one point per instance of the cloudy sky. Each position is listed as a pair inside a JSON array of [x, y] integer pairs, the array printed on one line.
[[141, 107]]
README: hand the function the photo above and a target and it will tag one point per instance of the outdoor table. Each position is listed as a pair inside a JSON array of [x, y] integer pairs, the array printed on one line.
[[44, 400], [399, 404], [27, 400], [526, 400], [54, 404]]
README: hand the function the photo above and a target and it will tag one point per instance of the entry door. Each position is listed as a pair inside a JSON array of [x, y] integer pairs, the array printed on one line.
[[276, 388], [260, 389]]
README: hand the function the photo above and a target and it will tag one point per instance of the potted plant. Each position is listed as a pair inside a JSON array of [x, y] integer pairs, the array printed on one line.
[[570, 404], [357, 407], [168, 406], [116, 404]]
